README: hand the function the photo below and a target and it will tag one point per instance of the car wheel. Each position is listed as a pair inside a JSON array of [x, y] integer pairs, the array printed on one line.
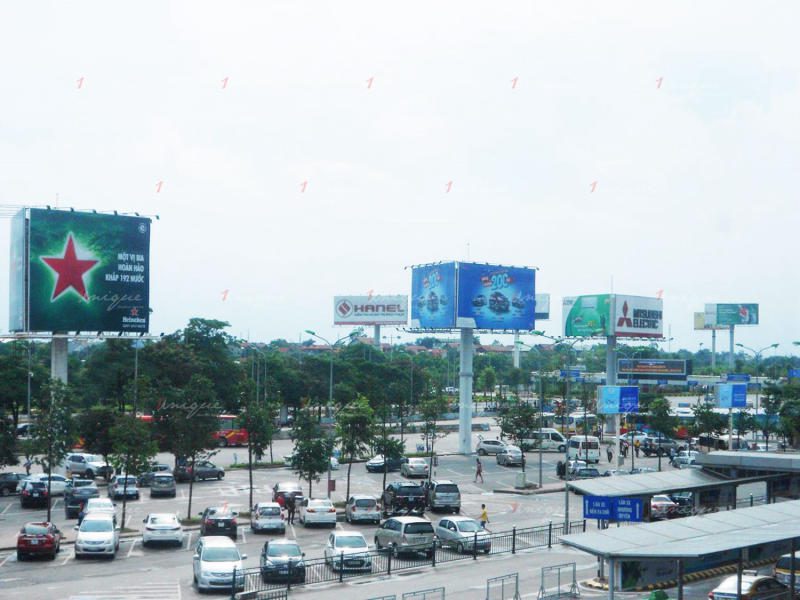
[[220, 475], [481, 452], [486, 550], [562, 448], [395, 551], [20, 556], [460, 548], [222, 442], [89, 474], [377, 544], [4, 492]]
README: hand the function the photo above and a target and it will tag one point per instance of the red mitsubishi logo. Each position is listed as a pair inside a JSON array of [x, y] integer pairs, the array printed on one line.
[[624, 320]]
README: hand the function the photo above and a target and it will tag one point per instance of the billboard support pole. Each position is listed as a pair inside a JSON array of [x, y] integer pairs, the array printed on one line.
[[58, 358], [465, 393], [730, 356], [713, 350], [377, 337], [611, 379], [516, 350]]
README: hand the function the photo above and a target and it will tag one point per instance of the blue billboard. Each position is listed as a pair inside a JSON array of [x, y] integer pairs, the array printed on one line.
[[732, 395], [617, 399], [496, 297], [433, 296]]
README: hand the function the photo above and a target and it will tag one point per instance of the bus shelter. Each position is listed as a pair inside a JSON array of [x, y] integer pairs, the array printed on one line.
[[668, 550]]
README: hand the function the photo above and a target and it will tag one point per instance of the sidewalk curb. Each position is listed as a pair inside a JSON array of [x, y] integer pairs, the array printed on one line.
[[530, 492]]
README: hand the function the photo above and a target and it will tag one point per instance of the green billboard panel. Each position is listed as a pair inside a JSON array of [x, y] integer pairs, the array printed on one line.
[[737, 314], [88, 272], [587, 316]]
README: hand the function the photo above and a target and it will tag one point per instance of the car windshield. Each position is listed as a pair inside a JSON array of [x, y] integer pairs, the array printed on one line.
[[32, 529], [350, 541], [37, 484], [419, 528], [267, 511], [447, 488], [468, 526], [320, 504], [93, 458], [78, 483], [163, 479], [411, 490], [131, 480], [661, 499], [101, 505], [96, 525], [365, 503], [162, 520], [785, 563], [220, 554], [283, 550]]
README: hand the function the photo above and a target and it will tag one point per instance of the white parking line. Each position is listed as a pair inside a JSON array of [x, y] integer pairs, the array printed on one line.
[[69, 556], [244, 535], [5, 509], [5, 560], [133, 545], [189, 540]]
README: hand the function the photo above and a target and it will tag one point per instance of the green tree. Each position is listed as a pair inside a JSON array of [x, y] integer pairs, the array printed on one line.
[[431, 414], [132, 450], [355, 425], [488, 380], [706, 420], [259, 420], [661, 420], [94, 427], [517, 423], [771, 404], [8, 442], [312, 448], [55, 431]]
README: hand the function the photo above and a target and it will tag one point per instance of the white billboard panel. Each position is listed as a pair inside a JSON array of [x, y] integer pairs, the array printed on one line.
[[370, 310], [638, 316]]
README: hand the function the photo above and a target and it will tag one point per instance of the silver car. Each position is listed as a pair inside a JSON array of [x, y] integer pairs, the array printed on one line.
[[489, 447], [415, 467], [361, 507], [443, 494], [267, 516], [348, 551], [462, 534], [510, 455], [404, 535]]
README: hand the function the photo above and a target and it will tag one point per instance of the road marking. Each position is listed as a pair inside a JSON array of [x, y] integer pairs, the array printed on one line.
[[130, 551], [6, 508], [189, 539], [244, 535], [294, 534], [5, 560], [67, 558]]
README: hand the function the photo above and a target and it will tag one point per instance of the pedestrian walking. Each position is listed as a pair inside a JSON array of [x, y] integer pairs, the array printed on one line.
[[484, 519], [28, 464], [636, 446], [290, 508], [478, 470], [609, 454]]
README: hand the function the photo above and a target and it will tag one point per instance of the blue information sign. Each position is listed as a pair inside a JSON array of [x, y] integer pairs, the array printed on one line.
[[597, 507], [737, 377], [570, 373], [616, 399], [794, 373], [732, 395], [628, 509]]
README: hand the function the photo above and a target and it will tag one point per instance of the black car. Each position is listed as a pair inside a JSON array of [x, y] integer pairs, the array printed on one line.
[[145, 479], [77, 493], [282, 560], [479, 300], [203, 469], [9, 483], [403, 498], [218, 520], [518, 302], [375, 464], [498, 303], [433, 302], [685, 502], [33, 493]]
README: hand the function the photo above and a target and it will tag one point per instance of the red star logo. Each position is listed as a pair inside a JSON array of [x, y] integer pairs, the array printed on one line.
[[134, 312], [70, 270]]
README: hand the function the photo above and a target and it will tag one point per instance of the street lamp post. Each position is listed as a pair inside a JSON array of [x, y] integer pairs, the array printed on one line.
[[541, 408], [330, 386], [757, 356]]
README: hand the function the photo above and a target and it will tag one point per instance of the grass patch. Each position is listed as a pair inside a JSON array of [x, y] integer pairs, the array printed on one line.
[[258, 465], [191, 521]]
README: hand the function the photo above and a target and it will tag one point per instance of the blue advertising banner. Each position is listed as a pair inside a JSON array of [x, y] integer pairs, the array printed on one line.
[[433, 291], [731, 395], [737, 377], [794, 373], [628, 509], [597, 507], [617, 399], [496, 297]]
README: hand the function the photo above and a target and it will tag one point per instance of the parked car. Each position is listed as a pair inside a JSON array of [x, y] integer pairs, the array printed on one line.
[[145, 479], [38, 538], [754, 587], [509, 456], [462, 534], [403, 497], [123, 486], [98, 535], [33, 493], [403, 535], [782, 571], [288, 460], [317, 511], [56, 484], [662, 507], [443, 494], [584, 447], [219, 520], [414, 467], [362, 507], [163, 484], [9, 483], [98, 505], [375, 464], [685, 502], [630, 437], [586, 473], [216, 558], [282, 560], [78, 492], [87, 466], [203, 470], [267, 516], [548, 438], [489, 447], [283, 489], [660, 444], [162, 528], [347, 551], [684, 457]]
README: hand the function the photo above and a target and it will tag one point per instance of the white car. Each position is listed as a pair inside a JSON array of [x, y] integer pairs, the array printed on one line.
[[631, 436], [462, 534], [316, 511], [362, 507], [267, 516], [118, 488], [58, 483], [215, 559], [490, 447], [348, 551], [162, 528], [415, 467], [100, 505], [98, 535]]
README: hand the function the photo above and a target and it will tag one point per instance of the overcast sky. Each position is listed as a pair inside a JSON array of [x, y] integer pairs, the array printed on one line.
[[685, 114]]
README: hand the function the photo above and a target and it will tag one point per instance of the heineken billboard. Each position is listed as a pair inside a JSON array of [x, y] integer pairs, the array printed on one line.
[[85, 272], [731, 314]]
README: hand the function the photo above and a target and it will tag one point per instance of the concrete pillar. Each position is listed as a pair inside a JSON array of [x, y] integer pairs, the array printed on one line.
[[377, 337], [58, 358], [713, 351], [465, 393], [612, 578], [515, 355], [730, 355], [680, 579]]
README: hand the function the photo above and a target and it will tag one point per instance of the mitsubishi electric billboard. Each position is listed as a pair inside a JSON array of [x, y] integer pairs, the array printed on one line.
[[613, 314], [85, 272]]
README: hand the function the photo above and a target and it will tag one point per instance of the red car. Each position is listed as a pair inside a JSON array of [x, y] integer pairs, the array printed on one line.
[[38, 538]]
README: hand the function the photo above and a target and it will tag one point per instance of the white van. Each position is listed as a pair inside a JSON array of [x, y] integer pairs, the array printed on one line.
[[584, 447], [548, 438]]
